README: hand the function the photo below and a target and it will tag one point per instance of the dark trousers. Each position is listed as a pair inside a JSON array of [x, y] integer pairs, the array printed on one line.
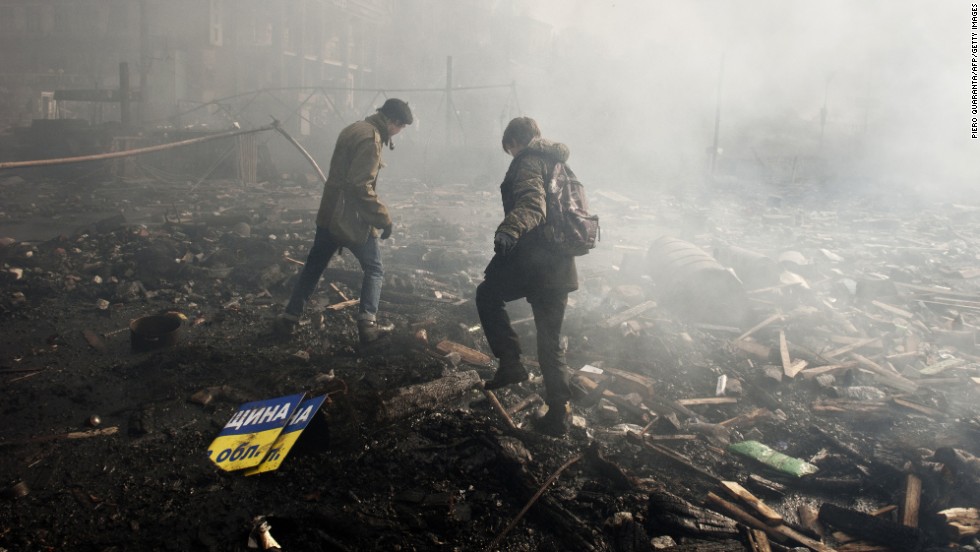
[[549, 312]]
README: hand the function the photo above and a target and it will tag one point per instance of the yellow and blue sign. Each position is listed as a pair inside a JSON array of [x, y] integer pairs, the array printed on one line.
[[248, 437], [304, 414]]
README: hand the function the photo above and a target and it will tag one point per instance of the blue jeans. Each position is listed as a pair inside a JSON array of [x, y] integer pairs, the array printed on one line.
[[324, 247]]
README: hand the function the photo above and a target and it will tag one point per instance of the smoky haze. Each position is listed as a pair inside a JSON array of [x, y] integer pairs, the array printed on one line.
[[632, 86]]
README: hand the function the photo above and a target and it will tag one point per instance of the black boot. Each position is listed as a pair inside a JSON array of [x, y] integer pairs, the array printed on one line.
[[372, 330], [554, 422], [510, 371], [285, 324]]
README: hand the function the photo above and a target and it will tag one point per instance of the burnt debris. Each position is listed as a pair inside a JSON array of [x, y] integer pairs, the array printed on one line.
[[822, 333]]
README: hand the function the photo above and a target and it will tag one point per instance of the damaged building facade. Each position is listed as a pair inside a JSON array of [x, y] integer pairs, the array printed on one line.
[[220, 49], [193, 67]]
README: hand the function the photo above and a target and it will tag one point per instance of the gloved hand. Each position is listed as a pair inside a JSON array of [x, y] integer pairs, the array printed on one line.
[[386, 232], [503, 243]]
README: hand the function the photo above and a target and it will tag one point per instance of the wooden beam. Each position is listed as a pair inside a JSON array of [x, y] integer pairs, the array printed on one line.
[[893, 310], [931, 412], [632, 312], [781, 531], [886, 376], [406, 401], [759, 326], [470, 356], [853, 346], [707, 400], [784, 353], [753, 348], [910, 507], [499, 408], [343, 305], [810, 373], [758, 541], [635, 382], [961, 522], [769, 515], [747, 419]]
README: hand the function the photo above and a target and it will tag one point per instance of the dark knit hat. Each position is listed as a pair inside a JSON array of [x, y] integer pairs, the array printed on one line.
[[397, 110]]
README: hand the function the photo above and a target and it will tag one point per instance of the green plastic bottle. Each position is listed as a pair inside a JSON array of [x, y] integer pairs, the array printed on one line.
[[774, 459]]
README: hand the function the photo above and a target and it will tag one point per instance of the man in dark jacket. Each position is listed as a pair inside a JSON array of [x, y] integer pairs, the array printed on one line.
[[525, 267], [354, 174]]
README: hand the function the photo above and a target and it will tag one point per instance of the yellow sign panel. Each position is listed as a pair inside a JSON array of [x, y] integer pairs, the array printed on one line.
[[304, 414], [248, 437]]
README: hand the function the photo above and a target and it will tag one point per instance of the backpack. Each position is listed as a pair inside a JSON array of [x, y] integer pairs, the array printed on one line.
[[568, 225]]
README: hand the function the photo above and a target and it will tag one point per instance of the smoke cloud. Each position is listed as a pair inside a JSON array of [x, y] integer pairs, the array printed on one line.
[[634, 86]]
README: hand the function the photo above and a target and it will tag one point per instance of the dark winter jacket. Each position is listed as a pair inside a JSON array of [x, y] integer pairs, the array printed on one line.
[[532, 263], [354, 167]]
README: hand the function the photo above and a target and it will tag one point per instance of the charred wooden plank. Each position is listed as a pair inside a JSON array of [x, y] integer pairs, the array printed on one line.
[[758, 540], [959, 462], [961, 523], [106, 431], [631, 381], [761, 395], [781, 532], [469, 355], [910, 506], [747, 419], [763, 485], [892, 309], [527, 402], [754, 348], [637, 410], [787, 361], [671, 510], [342, 305], [666, 407], [759, 326], [851, 451], [867, 527], [632, 312], [922, 409], [854, 346], [675, 456], [700, 401], [627, 534], [810, 373], [886, 376], [499, 408], [426, 396], [808, 519], [769, 515]]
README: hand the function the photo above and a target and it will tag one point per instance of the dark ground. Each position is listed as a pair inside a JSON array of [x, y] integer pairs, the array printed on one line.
[[88, 257]]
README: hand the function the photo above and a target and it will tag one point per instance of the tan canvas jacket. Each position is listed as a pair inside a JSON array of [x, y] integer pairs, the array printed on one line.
[[354, 167]]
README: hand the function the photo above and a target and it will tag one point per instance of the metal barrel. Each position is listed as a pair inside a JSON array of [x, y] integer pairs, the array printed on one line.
[[695, 284], [754, 269]]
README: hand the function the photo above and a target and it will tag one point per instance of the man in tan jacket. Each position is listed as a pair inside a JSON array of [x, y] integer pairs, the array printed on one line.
[[352, 178]]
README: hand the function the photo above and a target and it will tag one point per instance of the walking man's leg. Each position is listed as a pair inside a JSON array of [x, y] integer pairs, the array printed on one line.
[[549, 313], [369, 256], [316, 262], [503, 341]]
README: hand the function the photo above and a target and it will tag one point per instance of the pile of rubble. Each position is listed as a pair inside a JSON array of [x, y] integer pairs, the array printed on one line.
[[750, 372]]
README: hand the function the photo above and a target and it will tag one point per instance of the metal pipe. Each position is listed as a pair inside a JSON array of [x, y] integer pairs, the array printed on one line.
[[126, 153], [275, 125]]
